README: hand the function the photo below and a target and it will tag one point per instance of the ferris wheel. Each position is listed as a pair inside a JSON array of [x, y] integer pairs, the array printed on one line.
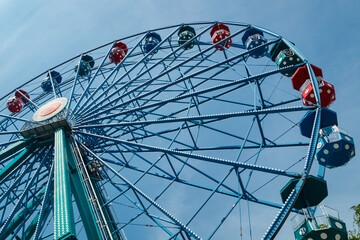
[[203, 130]]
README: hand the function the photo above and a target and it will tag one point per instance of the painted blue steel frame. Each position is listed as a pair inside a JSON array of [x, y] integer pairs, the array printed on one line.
[[216, 126]]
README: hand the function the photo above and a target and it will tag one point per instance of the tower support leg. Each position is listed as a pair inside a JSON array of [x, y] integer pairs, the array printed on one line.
[[64, 227], [82, 199]]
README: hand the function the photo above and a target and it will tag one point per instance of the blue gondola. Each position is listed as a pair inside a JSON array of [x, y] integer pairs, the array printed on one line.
[[335, 147], [253, 38], [151, 41], [87, 63], [46, 82], [327, 118]]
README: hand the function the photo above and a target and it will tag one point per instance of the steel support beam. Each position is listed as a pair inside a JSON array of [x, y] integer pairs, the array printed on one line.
[[17, 161], [21, 216], [30, 230], [13, 148]]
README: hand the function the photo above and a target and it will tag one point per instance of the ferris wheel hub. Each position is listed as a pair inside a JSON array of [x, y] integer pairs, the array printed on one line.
[[50, 109]]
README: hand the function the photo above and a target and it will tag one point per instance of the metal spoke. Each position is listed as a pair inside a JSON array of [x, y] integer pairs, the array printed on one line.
[[199, 157]]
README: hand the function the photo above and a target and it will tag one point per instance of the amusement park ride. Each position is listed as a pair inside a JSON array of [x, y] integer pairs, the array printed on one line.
[[190, 131]]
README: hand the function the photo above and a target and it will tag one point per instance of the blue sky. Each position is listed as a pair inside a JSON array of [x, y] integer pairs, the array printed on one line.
[[36, 35]]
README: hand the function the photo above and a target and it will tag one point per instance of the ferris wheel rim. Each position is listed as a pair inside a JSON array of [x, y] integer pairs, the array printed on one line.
[[315, 131]]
